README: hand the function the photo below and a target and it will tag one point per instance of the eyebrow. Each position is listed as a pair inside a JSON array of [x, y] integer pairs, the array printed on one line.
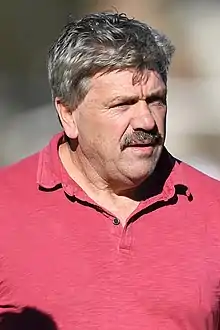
[[161, 92], [124, 98]]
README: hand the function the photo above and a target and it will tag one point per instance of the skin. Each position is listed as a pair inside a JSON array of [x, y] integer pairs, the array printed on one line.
[[113, 109]]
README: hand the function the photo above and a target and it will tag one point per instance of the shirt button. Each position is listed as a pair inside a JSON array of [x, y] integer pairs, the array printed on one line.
[[116, 221]]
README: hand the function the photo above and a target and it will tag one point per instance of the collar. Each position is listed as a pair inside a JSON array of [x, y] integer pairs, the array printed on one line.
[[51, 174], [166, 181], [162, 184]]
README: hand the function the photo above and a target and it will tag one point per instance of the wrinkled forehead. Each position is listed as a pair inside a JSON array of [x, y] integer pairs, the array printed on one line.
[[127, 82]]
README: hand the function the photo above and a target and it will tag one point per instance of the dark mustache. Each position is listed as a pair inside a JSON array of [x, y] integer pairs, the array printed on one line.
[[142, 137]]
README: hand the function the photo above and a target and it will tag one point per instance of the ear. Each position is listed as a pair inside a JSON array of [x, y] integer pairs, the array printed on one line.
[[67, 119]]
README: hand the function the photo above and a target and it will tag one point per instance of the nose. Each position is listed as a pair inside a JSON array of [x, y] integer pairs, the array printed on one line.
[[142, 117]]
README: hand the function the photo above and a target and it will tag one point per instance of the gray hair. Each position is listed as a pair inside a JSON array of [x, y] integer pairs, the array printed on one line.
[[103, 42]]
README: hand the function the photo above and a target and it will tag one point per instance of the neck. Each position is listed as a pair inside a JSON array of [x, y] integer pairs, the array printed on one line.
[[82, 171], [121, 202]]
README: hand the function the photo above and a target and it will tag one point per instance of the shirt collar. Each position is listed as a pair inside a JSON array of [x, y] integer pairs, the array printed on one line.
[[52, 175], [166, 181]]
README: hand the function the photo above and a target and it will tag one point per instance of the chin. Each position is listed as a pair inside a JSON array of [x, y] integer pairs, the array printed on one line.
[[139, 175], [138, 170]]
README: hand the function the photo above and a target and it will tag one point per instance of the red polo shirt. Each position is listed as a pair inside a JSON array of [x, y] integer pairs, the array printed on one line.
[[67, 264]]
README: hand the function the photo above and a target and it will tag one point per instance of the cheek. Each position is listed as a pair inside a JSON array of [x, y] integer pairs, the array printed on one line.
[[89, 129], [160, 119], [103, 131]]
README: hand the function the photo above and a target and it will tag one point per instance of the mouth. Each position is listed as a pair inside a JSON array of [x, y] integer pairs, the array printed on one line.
[[142, 144], [142, 148]]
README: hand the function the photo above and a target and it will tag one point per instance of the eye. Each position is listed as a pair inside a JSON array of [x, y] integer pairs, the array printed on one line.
[[160, 103], [157, 101], [124, 104]]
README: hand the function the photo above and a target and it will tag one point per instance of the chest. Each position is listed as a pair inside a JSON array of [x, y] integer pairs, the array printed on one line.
[[162, 271]]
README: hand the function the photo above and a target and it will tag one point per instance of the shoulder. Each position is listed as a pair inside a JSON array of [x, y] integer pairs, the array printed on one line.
[[19, 176], [18, 194]]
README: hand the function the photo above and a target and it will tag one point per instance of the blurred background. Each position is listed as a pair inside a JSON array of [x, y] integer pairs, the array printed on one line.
[[27, 117]]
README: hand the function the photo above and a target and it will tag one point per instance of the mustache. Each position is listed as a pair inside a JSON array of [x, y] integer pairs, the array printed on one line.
[[142, 137]]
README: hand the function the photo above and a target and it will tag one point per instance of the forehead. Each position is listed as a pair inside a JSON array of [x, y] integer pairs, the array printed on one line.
[[118, 83]]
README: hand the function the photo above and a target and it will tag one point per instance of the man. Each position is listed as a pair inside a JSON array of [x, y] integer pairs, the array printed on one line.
[[104, 229]]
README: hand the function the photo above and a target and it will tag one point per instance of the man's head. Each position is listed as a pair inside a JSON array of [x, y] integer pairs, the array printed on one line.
[[108, 77]]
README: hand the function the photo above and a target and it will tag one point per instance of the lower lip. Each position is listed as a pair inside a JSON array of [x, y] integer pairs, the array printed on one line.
[[144, 149]]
